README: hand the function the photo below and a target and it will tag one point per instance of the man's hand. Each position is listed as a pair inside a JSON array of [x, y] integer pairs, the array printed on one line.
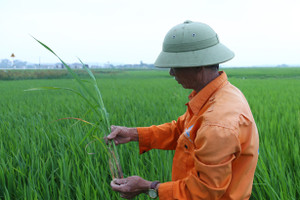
[[130, 187], [122, 135]]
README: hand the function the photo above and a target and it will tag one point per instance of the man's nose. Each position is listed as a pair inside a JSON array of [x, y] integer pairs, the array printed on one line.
[[171, 72]]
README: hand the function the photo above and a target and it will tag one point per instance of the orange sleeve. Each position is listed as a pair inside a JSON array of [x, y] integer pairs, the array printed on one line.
[[160, 137], [215, 149]]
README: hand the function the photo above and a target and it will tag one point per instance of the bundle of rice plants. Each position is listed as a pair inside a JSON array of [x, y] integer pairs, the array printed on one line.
[[94, 100]]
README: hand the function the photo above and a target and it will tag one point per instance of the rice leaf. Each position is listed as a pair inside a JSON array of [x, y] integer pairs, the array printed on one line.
[[96, 104]]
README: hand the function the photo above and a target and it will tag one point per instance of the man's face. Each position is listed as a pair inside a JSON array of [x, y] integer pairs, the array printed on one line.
[[185, 76]]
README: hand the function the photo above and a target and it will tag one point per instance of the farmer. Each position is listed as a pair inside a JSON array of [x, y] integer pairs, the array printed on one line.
[[215, 141]]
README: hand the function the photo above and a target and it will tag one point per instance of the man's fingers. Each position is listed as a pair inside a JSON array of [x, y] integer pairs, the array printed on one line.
[[113, 134], [112, 127], [120, 181], [127, 187], [118, 185], [115, 187], [106, 140], [127, 196]]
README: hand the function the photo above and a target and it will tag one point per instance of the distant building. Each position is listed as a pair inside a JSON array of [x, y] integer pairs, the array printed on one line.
[[76, 65]]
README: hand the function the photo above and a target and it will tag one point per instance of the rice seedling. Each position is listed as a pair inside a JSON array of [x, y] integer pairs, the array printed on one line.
[[96, 104]]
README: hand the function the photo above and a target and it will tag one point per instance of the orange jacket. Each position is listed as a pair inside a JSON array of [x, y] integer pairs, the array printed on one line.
[[216, 145]]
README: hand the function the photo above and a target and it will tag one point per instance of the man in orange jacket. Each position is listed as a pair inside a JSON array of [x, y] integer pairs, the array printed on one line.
[[215, 141]]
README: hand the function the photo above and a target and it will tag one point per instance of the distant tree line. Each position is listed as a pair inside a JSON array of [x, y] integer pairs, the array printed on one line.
[[18, 64]]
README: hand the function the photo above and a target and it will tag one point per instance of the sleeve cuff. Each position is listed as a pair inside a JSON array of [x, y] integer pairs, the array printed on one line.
[[165, 191], [144, 139]]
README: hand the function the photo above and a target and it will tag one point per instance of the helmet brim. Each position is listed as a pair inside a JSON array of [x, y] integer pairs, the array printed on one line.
[[216, 54]]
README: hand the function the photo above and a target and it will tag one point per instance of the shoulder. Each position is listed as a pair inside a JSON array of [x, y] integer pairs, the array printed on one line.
[[227, 108]]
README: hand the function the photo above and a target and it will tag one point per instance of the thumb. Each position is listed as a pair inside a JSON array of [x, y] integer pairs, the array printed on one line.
[[120, 181], [113, 134]]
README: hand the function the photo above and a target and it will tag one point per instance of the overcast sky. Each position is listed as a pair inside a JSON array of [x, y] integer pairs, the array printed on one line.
[[260, 32]]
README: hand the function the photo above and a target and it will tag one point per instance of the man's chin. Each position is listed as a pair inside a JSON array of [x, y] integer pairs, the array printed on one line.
[[184, 86]]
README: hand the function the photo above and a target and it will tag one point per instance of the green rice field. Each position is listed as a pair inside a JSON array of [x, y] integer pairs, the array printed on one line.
[[42, 157]]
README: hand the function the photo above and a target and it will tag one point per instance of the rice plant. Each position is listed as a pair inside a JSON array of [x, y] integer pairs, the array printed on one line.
[[96, 104]]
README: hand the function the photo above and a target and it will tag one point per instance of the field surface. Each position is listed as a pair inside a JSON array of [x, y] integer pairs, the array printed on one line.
[[42, 157]]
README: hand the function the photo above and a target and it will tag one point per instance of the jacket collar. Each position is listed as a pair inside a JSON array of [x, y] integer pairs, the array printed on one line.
[[197, 100]]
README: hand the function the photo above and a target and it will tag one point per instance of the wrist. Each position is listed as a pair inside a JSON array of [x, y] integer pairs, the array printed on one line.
[[145, 185], [134, 136], [153, 190], [157, 186]]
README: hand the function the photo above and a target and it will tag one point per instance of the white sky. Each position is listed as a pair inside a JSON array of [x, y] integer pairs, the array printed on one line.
[[129, 31]]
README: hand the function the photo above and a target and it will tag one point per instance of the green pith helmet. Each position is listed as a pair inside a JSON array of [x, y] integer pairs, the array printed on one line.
[[192, 44]]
